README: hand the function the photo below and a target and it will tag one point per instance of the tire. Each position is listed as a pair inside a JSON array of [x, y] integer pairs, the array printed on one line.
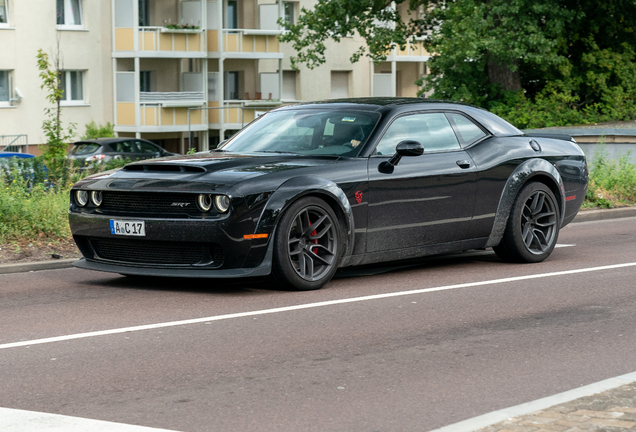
[[306, 259], [532, 229]]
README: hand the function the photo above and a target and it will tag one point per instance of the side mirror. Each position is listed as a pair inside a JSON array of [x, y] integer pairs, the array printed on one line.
[[404, 148]]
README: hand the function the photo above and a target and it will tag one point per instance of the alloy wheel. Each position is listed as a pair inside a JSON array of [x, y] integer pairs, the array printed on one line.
[[312, 243], [538, 222]]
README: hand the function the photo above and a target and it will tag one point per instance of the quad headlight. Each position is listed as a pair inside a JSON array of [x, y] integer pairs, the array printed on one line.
[[97, 198], [81, 197], [204, 202], [222, 203]]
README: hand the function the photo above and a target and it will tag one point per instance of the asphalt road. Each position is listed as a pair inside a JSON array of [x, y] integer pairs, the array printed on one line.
[[386, 360]]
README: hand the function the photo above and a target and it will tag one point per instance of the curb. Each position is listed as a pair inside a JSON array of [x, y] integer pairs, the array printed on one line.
[[583, 216], [35, 266]]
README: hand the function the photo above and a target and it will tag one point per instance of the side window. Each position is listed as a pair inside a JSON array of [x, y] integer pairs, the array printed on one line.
[[468, 131], [432, 130], [126, 147], [147, 148]]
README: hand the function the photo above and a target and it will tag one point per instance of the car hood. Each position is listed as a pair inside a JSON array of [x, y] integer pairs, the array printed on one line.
[[209, 171]]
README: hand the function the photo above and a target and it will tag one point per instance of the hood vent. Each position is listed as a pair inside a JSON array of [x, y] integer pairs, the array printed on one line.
[[165, 168]]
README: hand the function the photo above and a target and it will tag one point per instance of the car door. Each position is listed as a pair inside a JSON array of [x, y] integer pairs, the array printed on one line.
[[425, 199]]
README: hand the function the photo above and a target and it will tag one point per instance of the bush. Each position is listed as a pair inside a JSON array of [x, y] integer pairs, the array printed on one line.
[[94, 130], [612, 182], [34, 199]]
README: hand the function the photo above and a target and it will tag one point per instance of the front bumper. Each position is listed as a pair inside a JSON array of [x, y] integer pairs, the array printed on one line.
[[172, 247]]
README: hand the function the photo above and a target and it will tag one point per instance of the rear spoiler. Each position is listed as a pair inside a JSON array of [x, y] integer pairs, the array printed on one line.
[[562, 137]]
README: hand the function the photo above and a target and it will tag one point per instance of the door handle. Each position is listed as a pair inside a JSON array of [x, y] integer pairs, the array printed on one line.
[[463, 163]]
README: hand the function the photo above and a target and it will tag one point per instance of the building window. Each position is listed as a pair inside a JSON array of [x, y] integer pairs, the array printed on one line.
[[144, 13], [145, 81], [289, 85], [289, 11], [4, 12], [232, 14], [232, 85], [339, 85], [5, 87], [69, 12], [72, 84]]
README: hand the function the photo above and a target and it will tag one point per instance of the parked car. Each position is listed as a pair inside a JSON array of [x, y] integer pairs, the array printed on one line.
[[306, 189], [7, 154], [105, 149]]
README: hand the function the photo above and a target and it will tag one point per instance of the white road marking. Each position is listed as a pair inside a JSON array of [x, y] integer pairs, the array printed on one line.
[[494, 417], [307, 306], [29, 421], [564, 245]]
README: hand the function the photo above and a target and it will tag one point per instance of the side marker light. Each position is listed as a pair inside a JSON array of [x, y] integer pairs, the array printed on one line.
[[255, 236]]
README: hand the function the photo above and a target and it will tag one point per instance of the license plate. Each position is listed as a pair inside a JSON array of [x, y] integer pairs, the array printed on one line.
[[129, 228]]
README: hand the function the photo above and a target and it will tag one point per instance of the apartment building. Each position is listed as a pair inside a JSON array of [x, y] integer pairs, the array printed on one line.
[[181, 73], [77, 33]]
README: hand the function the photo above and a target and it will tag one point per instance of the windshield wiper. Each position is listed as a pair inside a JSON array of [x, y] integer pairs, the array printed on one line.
[[277, 151]]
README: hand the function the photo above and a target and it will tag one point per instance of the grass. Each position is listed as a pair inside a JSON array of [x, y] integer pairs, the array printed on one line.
[[34, 202], [612, 181]]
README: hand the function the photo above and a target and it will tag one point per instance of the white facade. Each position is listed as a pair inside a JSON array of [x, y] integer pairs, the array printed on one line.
[[83, 38], [124, 62]]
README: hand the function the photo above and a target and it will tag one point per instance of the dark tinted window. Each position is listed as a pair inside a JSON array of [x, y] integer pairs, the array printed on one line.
[[468, 131], [432, 130], [147, 147], [84, 148], [124, 147]]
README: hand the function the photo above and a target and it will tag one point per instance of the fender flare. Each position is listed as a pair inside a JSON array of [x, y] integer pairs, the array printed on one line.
[[298, 187], [519, 177]]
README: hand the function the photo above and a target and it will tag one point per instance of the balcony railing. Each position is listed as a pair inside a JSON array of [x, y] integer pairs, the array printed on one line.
[[412, 49], [245, 41], [173, 99], [159, 39]]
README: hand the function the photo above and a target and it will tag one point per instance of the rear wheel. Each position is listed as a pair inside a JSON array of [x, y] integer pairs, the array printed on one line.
[[532, 229], [307, 245]]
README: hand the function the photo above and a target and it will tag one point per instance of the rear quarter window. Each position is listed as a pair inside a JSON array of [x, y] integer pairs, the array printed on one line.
[[84, 148]]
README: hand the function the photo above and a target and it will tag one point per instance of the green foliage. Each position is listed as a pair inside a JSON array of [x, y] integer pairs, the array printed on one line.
[[612, 182], [535, 62], [32, 207], [57, 137], [94, 130]]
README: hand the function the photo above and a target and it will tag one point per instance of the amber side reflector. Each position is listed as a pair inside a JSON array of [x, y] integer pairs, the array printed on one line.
[[255, 236]]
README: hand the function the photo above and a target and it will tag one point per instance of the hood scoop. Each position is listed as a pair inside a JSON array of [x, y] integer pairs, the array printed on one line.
[[165, 168]]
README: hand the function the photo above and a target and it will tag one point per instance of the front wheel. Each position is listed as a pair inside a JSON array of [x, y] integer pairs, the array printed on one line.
[[532, 229], [307, 245]]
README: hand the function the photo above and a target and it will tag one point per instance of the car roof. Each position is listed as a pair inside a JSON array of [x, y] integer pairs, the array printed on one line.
[[394, 105], [14, 154], [102, 141]]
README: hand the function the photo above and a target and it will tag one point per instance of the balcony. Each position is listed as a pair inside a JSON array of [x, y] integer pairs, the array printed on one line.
[[246, 43], [237, 114], [162, 112], [414, 51]]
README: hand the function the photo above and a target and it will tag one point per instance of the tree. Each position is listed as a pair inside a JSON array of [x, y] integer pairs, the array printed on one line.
[[570, 58], [57, 136]]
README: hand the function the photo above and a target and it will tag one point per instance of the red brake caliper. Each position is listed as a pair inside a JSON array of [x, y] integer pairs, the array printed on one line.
[[315, 241]]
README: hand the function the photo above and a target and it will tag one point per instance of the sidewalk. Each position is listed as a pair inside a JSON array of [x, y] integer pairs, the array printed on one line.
[[608, 405]]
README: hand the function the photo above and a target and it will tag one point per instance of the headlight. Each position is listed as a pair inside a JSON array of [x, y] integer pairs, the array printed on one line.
[[81, 197], [222, 203], [97, 197], [204, 202]]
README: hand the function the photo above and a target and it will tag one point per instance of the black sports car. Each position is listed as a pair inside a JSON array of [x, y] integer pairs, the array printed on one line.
[[309, 188]]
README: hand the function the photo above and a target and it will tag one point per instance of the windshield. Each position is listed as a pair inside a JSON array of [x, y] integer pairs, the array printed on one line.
[[307, 132], [84, 148]]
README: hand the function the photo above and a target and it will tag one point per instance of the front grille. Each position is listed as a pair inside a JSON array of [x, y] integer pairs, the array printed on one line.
[[151, 252], [150, 202]]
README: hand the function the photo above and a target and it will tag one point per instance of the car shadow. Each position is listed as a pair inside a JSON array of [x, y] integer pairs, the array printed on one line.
[[258, 286]]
